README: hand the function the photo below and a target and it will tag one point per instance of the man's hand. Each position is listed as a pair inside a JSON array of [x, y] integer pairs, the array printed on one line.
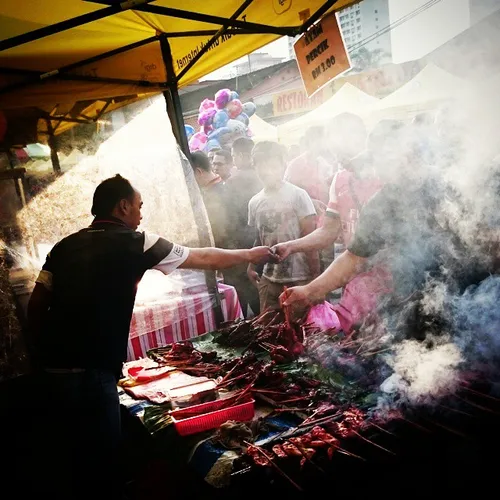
[[298, 296], [282, 250], [260, 255], [253, 276]]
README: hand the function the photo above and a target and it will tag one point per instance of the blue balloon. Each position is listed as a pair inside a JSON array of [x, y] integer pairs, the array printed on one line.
[[249, 108], [211, 144], [234, 95], [189, 131], [243, 118], [220, 119], [217, 133]]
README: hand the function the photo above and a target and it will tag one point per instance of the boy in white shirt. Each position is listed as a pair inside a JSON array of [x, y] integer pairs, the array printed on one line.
[[279, 213]]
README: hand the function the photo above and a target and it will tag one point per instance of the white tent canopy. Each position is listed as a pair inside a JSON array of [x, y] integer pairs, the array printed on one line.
[[348, 99], [426, 91], [262, 131]]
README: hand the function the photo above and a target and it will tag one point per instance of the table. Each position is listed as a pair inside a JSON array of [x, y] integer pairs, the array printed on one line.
[[178, 319]]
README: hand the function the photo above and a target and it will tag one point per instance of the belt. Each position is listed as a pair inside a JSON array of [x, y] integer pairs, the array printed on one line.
[[65, 370]]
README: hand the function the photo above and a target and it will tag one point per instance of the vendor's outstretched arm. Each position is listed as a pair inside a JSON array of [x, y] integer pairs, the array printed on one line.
[[338, 274], [320, 238], [217, 258]]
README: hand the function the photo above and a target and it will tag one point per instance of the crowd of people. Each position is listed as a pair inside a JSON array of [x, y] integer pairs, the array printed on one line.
[[375, 192], [300, 202]]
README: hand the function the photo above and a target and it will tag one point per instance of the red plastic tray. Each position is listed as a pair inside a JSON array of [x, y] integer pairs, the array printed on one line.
[[209, 416]]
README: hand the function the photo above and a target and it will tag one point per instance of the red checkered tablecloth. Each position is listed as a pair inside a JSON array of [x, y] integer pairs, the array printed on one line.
[[181, 320]]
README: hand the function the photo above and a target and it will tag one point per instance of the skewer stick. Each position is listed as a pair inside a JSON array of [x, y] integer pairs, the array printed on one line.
[[346, 452], [481, 394], [382, 429], [449, 429], [476, 405], [371, 442], [270, 461], [230, 371]]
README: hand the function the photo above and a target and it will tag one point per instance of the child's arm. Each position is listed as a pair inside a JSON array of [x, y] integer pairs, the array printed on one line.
[[307, 226], [252, 274]]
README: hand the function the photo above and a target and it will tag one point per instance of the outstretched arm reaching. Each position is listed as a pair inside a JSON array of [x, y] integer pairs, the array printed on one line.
[[217, 258], [338, 274], [322, 237]]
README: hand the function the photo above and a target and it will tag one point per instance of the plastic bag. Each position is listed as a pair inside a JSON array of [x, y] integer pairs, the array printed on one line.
[[323, 316]]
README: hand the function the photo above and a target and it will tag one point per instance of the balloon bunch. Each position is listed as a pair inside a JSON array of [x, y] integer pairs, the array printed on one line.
[[221, 120]]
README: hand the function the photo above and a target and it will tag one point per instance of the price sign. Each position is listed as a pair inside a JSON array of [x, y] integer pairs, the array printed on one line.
[[321, 54]]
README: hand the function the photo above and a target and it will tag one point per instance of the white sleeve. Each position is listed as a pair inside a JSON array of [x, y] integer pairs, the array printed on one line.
[[303, 205], [163, 255], [251, 213], [333, 201]]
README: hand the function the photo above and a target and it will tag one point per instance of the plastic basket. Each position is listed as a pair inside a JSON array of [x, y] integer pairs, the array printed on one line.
[[209, 416]]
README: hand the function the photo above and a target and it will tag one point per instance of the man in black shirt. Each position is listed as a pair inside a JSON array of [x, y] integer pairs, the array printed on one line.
[[241, 187], [79, 315]]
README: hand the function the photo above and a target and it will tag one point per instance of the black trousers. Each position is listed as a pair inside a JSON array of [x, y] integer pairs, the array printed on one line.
[[80, 435], [247, 293]]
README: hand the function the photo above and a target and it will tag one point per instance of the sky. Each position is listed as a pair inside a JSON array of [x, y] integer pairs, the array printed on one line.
[[427, 30]]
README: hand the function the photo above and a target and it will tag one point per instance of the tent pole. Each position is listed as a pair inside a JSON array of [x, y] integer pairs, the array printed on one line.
[[322, 10], [53, 148], [174, 111], [174, 108], [257, 28]]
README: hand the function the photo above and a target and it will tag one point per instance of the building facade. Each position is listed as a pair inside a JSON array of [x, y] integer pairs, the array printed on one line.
[[362, 26]]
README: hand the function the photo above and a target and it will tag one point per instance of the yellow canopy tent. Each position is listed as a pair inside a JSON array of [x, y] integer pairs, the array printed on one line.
[[106, 53]]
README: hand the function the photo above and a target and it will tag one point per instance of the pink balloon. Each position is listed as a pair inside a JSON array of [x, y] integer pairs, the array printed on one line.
[[234, 108], [206, 104], [206, 116], [222, 98], [197, 142]]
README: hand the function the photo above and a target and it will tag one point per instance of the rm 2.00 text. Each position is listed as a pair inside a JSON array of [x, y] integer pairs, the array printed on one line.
[[325, 65]]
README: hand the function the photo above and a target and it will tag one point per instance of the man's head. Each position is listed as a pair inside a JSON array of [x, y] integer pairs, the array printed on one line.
[[202, 169], [269, 160], [212, 152], [242, 153], [389, 149], [315, 140], [223, 163], [116, 197], [346, 136]]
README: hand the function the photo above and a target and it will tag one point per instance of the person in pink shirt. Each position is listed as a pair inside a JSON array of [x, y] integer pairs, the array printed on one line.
[[310, 171], [353, 185]]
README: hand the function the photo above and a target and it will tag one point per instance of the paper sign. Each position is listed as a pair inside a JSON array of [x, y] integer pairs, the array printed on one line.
[[321, 54]]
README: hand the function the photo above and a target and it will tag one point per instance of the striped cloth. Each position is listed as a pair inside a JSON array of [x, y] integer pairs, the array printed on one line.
[[177, 320]]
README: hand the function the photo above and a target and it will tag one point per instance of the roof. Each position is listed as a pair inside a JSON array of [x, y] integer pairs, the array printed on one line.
[[431, 85], [83, 50], [348, 99]]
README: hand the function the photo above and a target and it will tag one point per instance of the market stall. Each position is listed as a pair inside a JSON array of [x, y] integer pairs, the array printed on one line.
[[258, 412]]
